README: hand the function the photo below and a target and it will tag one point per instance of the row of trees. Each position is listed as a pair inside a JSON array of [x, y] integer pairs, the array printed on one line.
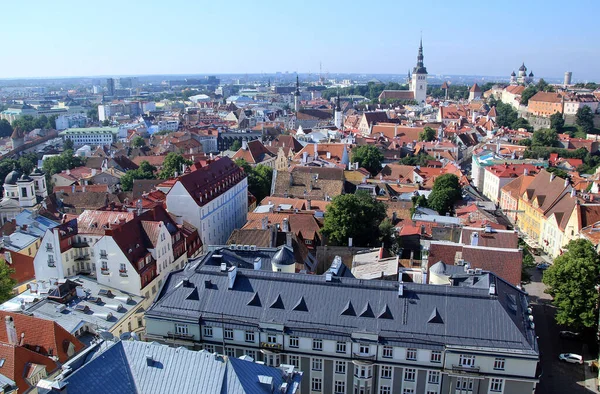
[[27, 123], [372, 90]]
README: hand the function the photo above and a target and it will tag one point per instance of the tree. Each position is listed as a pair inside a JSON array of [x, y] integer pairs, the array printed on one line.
[[64, 161], [6, 282], [369, 157], [259, 181], [173, 163], [544, 137], [6, 129], [138, 142], [572, 281], [236, 145], [506, 115], [428, 134], [557, 122], [27, 162], [355, 216], [419, 159], [68, 144], [528, 93], [558, 172], [244, 165], [585, 119], [144, 171], [92, 113], [445, 192], [105, 122], [521, 123]]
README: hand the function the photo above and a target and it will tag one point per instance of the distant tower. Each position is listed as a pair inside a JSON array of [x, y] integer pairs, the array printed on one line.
[[445, 88], [297, 95], [18, 138], [568, 76], [419, 78], [474, 92], [110, 87], [39, 180], [338, 116], [530, 77], [513, 78], [408, 79], [27, 196], [522, 78]]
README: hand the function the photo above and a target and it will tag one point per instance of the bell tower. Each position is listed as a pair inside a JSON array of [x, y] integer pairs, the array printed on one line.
[[418, 83]]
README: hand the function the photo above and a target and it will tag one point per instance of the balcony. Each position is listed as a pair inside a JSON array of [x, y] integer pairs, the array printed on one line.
[[364, 356], [122, 272], [465, 369], [271, 346], [104, 271], [178, 335], [82, 257], [51, 264]]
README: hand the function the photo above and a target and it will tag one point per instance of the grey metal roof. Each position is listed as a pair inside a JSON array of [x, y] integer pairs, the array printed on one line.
[[233, 256], [142, 367], [471, 316]]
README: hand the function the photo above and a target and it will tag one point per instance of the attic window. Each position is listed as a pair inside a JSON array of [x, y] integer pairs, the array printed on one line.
[[348, 310], [367, 311], [255, 301], [386, 313], [2, 360], [278, 303], [301, 305], [435, 317]]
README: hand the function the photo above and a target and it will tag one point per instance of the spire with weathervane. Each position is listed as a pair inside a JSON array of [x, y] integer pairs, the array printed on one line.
[[418, 83], [297, 95]]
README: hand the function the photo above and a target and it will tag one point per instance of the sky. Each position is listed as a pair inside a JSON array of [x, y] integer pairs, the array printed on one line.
[[41, 38]]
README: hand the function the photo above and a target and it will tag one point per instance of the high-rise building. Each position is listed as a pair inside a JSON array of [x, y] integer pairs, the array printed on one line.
[[110, 86], [568, 76]]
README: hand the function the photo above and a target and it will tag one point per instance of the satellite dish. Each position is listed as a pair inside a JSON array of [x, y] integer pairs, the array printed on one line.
[[126, 336], [107, 336]]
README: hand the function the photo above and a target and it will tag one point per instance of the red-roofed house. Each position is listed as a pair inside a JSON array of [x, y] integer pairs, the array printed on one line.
[[497, 176], [474, 92], [213, 198], [255, 153]]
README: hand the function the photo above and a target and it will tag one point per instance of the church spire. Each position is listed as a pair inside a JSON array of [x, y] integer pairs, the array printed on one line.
[[297, 86], [420, 68], [337, 105]]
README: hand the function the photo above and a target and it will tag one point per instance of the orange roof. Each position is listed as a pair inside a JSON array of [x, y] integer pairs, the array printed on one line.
[[546, 97], [336, 151], [395, 131], [511, 170], [255, 153], [515, 89]]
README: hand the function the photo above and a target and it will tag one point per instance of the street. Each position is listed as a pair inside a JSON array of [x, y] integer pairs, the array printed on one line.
[[557, 377]]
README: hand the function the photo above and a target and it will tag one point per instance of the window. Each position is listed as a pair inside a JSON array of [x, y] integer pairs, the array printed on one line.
[[272, 360], [316, 384], [294, 360], [230, 352], [496, 384], [388, 352], [466, 360], [386, 372], [339, 387], [340, 347], [499, 364], [433, 377], [340, 367], [409, 374], [228, 334], [181, 329], [464, 384], [317, 364], [436, 357], [208, 331], [408, 391], [317, 344], [122, 268], [251, 353], [294, 342], [364, 349], [272, 338], [411, 354], [209, 348], [249, 336], [363, 372], [385, 390]]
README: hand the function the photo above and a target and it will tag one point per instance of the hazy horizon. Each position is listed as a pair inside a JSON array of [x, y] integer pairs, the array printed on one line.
[[72, 39]]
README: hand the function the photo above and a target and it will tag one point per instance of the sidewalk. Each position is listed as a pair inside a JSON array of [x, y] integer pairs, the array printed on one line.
[[591, 378]]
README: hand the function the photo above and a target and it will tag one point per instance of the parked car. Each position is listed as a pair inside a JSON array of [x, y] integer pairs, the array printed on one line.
[[569, 334], [543, 266], [571, 358]]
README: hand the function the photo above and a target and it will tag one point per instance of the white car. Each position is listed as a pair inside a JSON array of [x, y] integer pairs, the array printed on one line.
[[571, 358]]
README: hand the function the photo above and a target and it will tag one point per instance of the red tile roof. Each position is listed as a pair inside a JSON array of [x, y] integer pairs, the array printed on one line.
[[255, 153]]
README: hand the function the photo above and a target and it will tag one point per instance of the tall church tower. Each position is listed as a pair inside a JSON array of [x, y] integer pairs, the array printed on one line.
[[338, 116], [297, 95], [418, 84]]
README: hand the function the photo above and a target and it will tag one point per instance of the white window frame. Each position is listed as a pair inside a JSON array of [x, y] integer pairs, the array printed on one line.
[[339, 387], [496, 385], [340, 347], [410, 374], [294, 342], [385, 390], [386, 372], [249, 337], [316, 384], [433, 377], [294, 360], [411, 354], [317, 344], [499, 364], [364, 349], [466, 360], [181, 329], [207, 331], [340, 367], [271, 338], [436, 357], [228, 334], [316, 364], [387, 352]]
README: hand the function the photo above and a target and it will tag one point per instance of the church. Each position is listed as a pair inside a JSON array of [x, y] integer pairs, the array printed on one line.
[[22, 191], [417, 83], [522, 78]]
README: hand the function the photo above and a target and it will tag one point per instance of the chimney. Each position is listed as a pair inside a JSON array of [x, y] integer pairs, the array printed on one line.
[[315, 150], [257, 263], [328, 155], [72, 188], [288, 239], [231, 275], [304, 157], [525, 172], [573, 193], [350, 242], [551, 177], [244, 145], [396, 130], [264, 222], [285, 225], [566, 182], [474, 239], [308, 205], [93, 171], [11, 331]]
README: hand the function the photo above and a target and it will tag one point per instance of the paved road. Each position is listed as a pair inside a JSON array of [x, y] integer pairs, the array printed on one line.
[[557, 377]]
